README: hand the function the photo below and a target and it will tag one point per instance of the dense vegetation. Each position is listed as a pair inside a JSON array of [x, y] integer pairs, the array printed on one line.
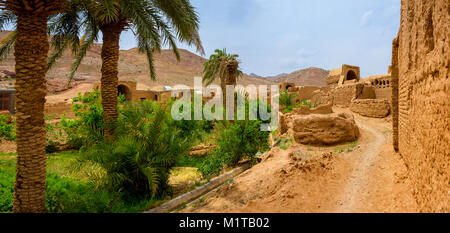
[[7, 128], [287, 101], [130, 172]]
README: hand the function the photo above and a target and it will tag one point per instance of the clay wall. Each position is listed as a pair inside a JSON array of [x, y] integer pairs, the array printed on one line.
[[421, 95], [343, 95]]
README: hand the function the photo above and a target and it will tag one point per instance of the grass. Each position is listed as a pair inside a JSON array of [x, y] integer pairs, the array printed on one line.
[[77, 189], [70, 190], [190, 161], [346, 148], [286, 143]]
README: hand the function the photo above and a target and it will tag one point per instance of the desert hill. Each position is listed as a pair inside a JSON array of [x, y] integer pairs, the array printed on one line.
[[305, 77], [133, 66]]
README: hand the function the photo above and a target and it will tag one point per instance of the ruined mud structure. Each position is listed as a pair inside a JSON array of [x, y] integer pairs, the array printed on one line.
[[345, 74], [7, 98], [421, 99], [131, 92], [369, 97]]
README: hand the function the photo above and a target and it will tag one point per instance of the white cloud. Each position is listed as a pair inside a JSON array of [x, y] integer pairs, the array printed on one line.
[[366, 18]]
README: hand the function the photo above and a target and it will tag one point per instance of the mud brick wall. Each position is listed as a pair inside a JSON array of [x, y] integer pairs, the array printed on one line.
[[343, 95], [376, 108], [422, 114]]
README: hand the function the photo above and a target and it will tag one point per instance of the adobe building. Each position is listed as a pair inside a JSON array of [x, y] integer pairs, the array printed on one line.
[[285, 86], [344, 75], [7, 97], [131, 92], [421, 100]]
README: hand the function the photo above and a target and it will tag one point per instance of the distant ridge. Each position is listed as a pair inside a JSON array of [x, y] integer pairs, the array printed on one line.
[[306, 77]]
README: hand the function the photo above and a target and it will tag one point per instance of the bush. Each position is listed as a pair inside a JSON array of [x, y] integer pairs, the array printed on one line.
[[7, 128], [87, 128], [236, 141], [286, 99], [144, 151], [68, 196]]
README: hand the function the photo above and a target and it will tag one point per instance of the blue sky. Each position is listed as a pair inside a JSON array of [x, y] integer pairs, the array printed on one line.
[[280, 36]]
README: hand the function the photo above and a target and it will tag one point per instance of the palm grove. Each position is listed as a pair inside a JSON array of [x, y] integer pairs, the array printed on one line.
[[155, 23]]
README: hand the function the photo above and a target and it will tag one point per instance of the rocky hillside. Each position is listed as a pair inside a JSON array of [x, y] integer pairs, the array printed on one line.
[[132, 66], [305, 77]]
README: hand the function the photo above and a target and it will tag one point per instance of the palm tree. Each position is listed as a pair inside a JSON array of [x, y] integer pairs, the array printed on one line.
[[31, 51], [223, 66], [155, 23]]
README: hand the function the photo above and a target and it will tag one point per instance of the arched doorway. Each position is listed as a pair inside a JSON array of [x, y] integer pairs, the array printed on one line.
[[351, 75], [124, 90]]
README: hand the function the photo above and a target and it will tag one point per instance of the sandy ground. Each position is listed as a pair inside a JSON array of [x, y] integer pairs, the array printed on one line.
[[67, 96], [369, 178]]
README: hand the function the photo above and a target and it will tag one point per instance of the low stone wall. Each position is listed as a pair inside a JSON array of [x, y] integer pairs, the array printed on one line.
[[343, 95], [375, 108]]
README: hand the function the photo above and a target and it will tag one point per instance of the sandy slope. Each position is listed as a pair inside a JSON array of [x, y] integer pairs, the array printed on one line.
[[371, 178]]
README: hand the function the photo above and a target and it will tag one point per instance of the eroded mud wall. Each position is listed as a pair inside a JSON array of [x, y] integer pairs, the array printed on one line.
[[424, 99]]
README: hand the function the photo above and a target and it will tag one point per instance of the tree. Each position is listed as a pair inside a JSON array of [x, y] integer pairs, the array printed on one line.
[[155, 23], [31, 50], [223, 66]]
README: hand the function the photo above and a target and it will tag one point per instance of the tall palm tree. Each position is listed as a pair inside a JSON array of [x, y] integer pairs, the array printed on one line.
[[155, 23], [224, 66], [31, 51]]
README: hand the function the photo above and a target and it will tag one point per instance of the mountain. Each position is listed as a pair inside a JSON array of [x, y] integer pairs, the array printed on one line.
[[132, 66], [306, 77]]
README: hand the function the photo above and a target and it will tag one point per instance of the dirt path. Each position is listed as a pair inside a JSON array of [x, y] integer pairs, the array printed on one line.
[[357, 182], [370, 177]]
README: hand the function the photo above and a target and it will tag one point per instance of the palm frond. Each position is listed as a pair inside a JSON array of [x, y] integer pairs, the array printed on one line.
[[7, 44]]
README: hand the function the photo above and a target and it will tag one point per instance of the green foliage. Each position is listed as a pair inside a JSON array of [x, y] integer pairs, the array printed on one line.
[[214, 163], [144, 151], [7, 128], [287, 99], [236, 142], [69, 193], [6, 190], [346, 148], [87, 128], [285, 143], [217, 66], [307, 103]]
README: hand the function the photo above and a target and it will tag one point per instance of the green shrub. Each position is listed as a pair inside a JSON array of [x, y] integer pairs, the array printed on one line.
[[214, 163], [287, 99], [7, 128], [6, 191], [87, 128], [144, 151], [67, 196], [236, 142]]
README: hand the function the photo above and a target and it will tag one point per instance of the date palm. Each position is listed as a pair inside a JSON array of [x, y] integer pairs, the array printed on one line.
[[223, 66], [155, 24], [31, 50]]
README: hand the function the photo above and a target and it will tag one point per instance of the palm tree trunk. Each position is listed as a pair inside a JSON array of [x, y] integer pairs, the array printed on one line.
[[231, 79], [31, 49], [110, 75]]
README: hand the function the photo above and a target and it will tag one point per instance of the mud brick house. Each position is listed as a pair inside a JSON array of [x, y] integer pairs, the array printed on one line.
[[7, 100], [343, 75], [131, 92]]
